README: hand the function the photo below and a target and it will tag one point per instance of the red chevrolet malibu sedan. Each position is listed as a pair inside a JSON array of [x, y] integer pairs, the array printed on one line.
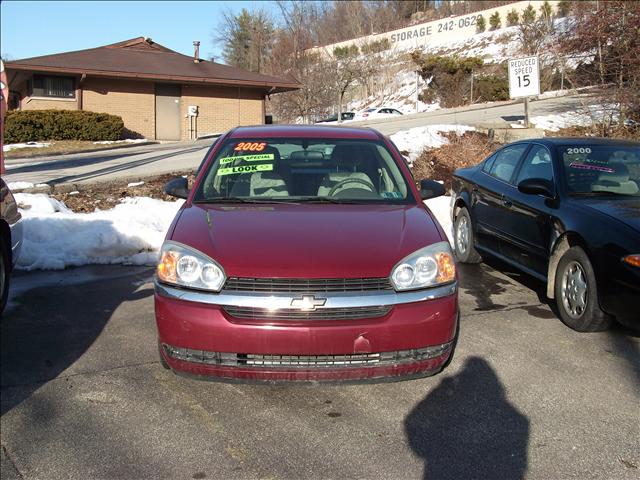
[[305, 253]]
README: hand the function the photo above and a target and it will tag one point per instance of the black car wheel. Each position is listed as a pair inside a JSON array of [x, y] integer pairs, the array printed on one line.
[[577, 295], [463, 239], [4, 275]]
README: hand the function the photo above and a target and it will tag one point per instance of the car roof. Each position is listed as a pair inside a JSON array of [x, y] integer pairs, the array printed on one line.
[[302, 131], [561, 141]]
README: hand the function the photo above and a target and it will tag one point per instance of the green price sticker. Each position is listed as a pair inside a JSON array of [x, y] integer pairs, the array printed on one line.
[[248, 158], [267, 167]]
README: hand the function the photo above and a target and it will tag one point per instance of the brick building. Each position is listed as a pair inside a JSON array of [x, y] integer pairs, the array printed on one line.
[[148, 85]]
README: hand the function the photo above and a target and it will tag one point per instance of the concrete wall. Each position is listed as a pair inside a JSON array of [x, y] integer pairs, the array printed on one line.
[[440, 31]]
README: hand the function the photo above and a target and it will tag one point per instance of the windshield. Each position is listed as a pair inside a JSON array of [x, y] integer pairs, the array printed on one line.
[[304, 170], [601, 170]]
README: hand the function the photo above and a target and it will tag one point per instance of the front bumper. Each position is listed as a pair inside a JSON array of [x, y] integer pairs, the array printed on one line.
[[200, 337]]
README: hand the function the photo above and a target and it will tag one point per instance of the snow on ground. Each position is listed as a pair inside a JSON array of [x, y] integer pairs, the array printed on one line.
[[128, 140], [441, 209], [415, 140], [16, 146], [54, 237], [583, 117], [16, 186], [135, 184]]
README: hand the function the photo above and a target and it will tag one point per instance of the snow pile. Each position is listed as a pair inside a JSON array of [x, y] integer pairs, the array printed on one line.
[[16, 186], [54, 237], [135, 184], [584, 117], [16, 146], [415, 140], [128, 140], [441, 209]]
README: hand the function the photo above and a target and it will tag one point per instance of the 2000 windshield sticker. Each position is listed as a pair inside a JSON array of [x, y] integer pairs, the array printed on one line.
[[248, 158], [265, 167]]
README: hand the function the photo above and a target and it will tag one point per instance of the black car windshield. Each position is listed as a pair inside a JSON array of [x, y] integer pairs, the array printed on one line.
[[601, 169], [303, 170]]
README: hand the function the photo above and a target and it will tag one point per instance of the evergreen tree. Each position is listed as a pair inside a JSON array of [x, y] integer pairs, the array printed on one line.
[[247, 39], [512, 18]]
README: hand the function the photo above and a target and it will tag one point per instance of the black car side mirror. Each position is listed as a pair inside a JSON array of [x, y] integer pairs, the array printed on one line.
[[178, 187], [536, 186], [431, 189]]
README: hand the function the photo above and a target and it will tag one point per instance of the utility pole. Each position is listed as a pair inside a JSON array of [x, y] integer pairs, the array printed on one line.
[[471, 102], [417, 89]]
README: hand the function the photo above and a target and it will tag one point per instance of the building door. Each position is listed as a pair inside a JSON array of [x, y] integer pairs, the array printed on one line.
[[167, 111]]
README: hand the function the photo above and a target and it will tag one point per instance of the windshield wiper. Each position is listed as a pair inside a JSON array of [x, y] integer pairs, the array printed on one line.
[[243, 200], [328, 200]]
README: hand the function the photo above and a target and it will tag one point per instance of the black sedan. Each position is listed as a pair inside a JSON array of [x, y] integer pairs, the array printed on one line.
[[564, 210]]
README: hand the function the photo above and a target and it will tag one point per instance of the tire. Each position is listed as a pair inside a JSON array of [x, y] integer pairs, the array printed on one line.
[[5, 270], [463, 240], [576, 293], [163, 362]]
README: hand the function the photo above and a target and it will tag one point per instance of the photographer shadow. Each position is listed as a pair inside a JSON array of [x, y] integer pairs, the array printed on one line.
[[466, 428]]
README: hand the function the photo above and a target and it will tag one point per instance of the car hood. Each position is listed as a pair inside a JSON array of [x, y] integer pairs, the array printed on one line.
[[307, 241], [625, 210]]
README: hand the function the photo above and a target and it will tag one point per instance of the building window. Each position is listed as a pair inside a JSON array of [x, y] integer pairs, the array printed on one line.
[[49, 86]]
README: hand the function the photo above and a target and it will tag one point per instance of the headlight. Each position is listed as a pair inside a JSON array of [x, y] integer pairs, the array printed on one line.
[[424, 268], [632, 260], [184, 266]]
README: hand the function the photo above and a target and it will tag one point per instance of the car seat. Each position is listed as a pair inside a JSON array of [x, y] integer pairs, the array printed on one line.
[[617, 181], [352, 161]]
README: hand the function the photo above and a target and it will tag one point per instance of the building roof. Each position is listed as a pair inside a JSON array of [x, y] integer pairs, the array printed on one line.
[[142, 58]]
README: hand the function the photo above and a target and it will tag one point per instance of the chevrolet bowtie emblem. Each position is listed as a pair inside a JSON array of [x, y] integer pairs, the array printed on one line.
[[308, 302]]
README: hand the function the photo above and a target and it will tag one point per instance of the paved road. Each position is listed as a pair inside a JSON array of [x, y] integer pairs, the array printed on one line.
[[83, 396], [493, 115], [148, 160]]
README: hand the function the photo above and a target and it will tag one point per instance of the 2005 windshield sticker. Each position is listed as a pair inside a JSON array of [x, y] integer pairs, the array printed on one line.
[[248, 158], [264, 167]]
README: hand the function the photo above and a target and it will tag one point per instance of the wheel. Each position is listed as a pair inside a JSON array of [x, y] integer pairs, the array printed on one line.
[[577, 294], [163, 362], [5, 270], [463, 239]]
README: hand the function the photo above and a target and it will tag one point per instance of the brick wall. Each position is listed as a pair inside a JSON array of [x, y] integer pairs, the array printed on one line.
[[132, 100], [221, 108]]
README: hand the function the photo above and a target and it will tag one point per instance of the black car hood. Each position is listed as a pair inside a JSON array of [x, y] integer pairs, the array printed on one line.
[[623, 209]]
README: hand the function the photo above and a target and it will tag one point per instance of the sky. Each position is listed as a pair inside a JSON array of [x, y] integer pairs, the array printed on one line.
[[30, 29]]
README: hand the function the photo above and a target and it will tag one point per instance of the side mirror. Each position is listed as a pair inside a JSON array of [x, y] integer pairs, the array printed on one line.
[[178, 187], [431, 189], [536, 186]]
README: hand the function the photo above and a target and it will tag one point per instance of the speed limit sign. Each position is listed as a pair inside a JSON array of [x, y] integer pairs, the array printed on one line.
[[524, 77]]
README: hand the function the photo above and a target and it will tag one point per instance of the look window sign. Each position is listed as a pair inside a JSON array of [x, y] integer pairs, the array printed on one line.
[[524, 77]]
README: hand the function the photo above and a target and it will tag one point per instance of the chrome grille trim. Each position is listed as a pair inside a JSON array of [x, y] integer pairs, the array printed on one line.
[[283, 300], [304, 285], [306, 361], [297, 314]]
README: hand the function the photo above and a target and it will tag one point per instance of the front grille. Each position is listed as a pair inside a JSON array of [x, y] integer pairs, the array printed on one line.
[[306, 361], [296, 314], [307, 285]]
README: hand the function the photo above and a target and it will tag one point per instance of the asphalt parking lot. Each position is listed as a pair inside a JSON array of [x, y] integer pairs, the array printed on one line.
[[84, 396]]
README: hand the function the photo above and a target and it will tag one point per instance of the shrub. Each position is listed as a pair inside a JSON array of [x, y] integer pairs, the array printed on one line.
[[490, 88], [462, 151], [481, 24], [42, 125], [513, 18], [494, 21]]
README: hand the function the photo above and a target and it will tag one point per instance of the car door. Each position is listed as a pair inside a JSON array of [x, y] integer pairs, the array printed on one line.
[[527, 218], [487, 203]]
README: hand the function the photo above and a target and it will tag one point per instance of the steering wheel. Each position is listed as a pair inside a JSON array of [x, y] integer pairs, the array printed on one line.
[[366, 183]]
